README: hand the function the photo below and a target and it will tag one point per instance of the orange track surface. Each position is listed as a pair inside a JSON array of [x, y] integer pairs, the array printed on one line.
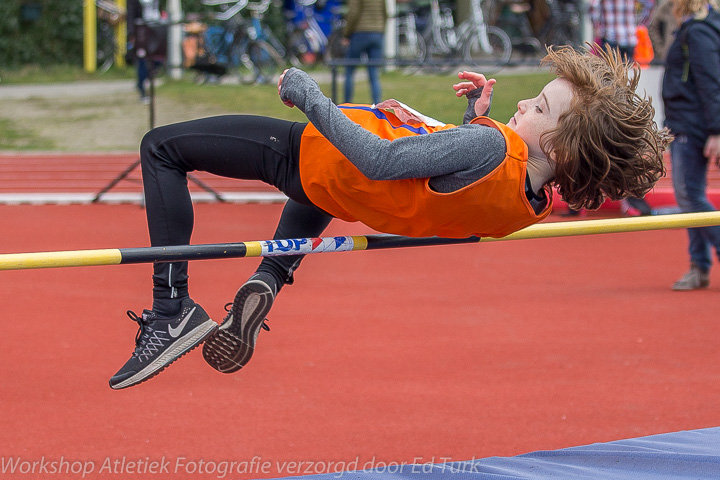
[[415, 355]]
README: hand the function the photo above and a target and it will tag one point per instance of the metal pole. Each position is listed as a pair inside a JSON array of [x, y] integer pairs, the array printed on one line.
[[121, 35], [89, 36]]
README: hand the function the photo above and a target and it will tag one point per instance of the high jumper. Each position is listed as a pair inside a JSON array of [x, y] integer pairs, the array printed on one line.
[[588, 134]]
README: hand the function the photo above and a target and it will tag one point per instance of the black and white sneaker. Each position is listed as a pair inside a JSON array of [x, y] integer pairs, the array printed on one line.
[[233, 344], [161, 341]]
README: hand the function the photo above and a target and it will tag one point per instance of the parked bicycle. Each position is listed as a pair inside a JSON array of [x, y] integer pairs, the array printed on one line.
[[239, 46], [473, 42], [314, 35], [513, 19], [410, 44], [485, 46], [561, 25], [257, 13]]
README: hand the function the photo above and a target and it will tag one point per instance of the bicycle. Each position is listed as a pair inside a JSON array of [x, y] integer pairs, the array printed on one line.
[[561, 26], [473, 41], [264, 32], [513, 18], [485, 46], [240, 46], [410, 44], [308, 43]]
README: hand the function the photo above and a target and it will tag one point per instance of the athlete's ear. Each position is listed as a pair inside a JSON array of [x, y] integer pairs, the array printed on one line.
[[552, 158]]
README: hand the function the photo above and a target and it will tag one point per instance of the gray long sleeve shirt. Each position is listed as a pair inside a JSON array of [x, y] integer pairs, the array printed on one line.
[[451, 158]]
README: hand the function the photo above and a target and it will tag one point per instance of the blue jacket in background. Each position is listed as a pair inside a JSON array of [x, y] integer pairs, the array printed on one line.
[[692, 98]]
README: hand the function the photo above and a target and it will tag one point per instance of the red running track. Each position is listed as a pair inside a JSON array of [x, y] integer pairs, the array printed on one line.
[[63, 176], [397, 356], [90, 173]]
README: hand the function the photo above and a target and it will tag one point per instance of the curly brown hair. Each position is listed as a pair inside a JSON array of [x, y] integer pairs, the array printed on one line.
[[607, 144]]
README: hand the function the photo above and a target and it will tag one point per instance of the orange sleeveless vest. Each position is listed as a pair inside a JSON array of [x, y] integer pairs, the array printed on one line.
[[493, 206]]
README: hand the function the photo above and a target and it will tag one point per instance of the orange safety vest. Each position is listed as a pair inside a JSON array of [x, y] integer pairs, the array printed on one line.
[[494, 206]]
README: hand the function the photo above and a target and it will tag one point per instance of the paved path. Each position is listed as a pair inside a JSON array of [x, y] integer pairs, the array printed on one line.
[[72, 89]]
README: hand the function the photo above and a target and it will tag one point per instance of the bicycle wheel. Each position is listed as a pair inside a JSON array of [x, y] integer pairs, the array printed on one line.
[[498, 54], [243, 66], [411, 51], [269, 64], [106, 49], [439, 58], [299, 50]]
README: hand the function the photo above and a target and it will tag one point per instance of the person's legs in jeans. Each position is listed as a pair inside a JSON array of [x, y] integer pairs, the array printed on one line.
[[375, 53], [349, 83], [142, 75], [354, 51], [689, 173], [371, 44]]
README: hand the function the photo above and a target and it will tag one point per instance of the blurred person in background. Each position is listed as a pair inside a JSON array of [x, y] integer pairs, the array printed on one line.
[[614, 24], [365, 34], [691, 96], [661, 28], [140, 11]]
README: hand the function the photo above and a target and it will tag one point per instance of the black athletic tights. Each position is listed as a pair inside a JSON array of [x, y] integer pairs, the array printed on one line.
[[237, 146]]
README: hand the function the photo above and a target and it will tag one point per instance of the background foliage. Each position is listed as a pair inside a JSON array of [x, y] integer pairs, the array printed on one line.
[[40, 31]]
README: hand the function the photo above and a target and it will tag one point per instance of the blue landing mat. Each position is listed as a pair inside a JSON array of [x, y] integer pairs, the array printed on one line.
[[686, 455]]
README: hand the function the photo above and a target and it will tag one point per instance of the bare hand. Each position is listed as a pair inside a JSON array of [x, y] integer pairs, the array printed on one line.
[[473, 81], [712, 149], [280, 80]]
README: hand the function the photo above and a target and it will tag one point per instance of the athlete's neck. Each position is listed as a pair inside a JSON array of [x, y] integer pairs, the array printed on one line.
[[540, 172]]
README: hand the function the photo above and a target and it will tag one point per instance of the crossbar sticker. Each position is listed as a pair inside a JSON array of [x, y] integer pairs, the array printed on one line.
[[301, 246]]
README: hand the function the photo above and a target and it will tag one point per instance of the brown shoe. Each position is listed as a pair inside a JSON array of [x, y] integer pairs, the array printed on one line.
[[693, 280]]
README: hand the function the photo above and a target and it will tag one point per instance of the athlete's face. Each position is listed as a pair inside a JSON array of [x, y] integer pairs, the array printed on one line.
[[538, 115]]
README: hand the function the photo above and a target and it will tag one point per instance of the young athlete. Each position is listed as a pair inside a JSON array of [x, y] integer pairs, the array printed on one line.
[[587, 133]]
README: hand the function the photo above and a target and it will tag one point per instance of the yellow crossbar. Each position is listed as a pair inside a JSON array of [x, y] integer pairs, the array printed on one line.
[[81, 258], [614, 225], [72, 258]]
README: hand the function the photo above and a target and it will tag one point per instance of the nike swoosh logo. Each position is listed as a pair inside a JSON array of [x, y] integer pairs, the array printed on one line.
[[175, 332]]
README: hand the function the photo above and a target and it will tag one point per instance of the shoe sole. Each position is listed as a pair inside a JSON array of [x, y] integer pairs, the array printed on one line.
[[682, 288], [233, 345], [182, 346]]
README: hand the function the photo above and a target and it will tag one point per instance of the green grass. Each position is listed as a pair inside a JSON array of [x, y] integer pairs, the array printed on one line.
[[429, 94], [252, 99], [12, 138]]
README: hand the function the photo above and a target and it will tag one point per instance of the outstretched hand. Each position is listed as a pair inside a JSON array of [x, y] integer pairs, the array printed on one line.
[[474, 81], [280, 80]]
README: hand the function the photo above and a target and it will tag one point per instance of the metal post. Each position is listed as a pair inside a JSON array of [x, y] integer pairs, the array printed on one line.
[[89, 36], [121, 35]]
